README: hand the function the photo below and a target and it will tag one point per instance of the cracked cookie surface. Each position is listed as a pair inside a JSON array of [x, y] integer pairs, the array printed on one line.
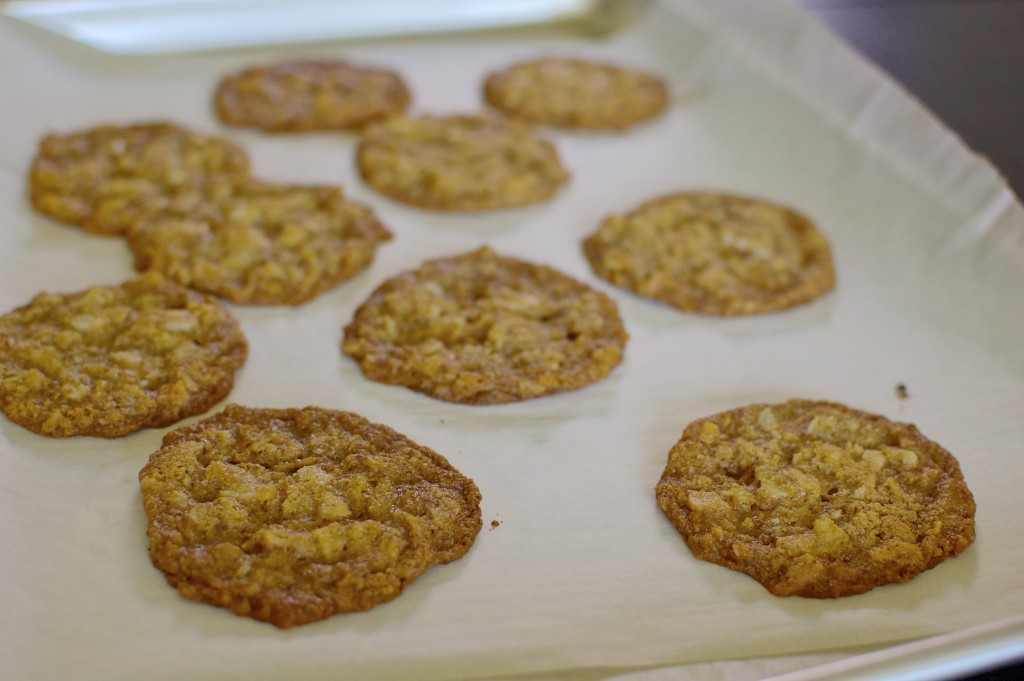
[[459, 162], [479, 328], [816, 499], [292, 515], [106, 178], [111, 360], [576, 93], [304, 95], [714, 253], [260, 243]]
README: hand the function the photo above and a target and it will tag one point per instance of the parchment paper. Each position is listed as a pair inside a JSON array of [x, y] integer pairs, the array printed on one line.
[[583, 574]]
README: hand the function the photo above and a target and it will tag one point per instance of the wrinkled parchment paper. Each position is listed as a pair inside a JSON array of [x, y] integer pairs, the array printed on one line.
[[582, 573]]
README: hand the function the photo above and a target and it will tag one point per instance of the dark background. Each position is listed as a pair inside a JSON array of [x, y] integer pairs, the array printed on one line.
[[964, 60]]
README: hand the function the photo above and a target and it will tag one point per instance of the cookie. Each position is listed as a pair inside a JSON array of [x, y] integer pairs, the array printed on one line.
[[816, 499], [459, 162], [714, 253], [305, 95], [104, 179], [576, 93], [479, 328], [111, 360], [261, 243], [289, 516]]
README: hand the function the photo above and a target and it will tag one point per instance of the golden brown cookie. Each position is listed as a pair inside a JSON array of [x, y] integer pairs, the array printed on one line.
[[111, 360], [105, 178], [714, 253], [576, 93], [459, 162], [304, 95], [261, 243], [292, 515], [480, 328], [816, 499]]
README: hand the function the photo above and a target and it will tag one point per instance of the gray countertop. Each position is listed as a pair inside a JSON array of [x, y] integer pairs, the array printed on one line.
[[963, 59]]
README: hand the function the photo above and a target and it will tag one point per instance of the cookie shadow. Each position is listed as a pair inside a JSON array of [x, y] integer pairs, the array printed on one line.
[[83, 451], [937, 584], [658, 316], [535, 417], [60, 240], [482, 225]]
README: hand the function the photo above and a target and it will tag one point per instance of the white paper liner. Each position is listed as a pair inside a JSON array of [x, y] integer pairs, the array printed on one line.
[[583, 574]]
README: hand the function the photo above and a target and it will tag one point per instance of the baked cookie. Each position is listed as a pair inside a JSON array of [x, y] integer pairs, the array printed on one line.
[[459, 162], [261, 243], [479, 328], [575, 93], [814, 498], [304, 95], [292, 515], [714, 253], [111, 360], [104, 179]]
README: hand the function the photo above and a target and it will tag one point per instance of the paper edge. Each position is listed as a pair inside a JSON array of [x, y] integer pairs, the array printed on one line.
[[947, 656], [756, 26], [980, 193]]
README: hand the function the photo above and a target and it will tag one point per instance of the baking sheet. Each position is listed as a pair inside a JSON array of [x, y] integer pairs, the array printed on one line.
[[157, 26], [583, 574]]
